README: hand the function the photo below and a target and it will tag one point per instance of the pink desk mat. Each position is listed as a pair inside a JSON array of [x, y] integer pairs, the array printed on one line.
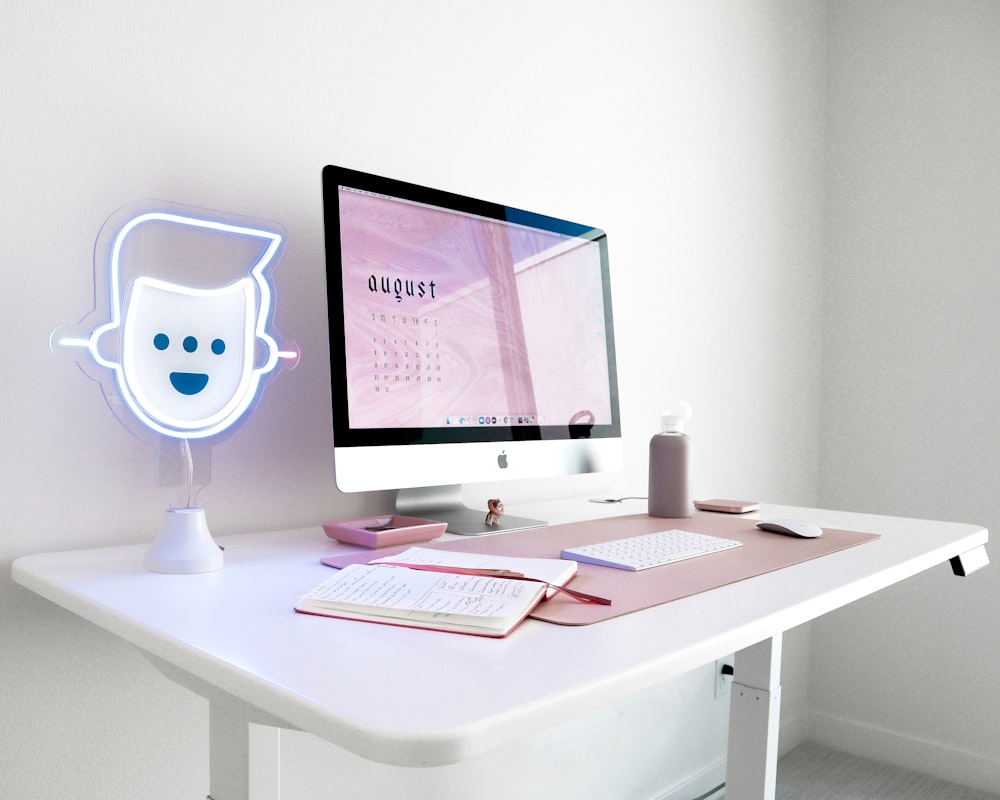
[[632, 591]]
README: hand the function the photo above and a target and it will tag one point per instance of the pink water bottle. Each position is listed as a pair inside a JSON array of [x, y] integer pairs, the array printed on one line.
[[669, 467]]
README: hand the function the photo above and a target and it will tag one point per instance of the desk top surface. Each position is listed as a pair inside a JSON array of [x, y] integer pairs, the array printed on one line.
[[414, 697]]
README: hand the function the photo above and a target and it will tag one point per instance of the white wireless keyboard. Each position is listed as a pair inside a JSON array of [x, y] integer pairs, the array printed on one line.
[[649, 549]]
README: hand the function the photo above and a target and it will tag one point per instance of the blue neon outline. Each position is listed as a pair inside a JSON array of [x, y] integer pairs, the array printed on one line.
[[247, 392]]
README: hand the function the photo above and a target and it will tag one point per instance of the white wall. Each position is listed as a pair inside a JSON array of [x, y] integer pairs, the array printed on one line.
[[693, 132], [912, 344]]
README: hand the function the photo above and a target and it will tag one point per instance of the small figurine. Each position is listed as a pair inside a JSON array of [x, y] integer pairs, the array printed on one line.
[[495, 512]]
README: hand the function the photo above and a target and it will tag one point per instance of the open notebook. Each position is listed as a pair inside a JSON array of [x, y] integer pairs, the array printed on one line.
[[441, 590]]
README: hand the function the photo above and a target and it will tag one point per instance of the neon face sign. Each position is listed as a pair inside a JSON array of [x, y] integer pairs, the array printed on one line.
[[187, 355]]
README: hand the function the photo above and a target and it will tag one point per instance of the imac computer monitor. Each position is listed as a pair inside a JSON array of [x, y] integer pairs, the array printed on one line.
[[470, 342]]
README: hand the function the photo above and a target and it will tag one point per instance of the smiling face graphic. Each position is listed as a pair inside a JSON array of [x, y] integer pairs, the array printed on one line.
[[187, 354], [181, 323]]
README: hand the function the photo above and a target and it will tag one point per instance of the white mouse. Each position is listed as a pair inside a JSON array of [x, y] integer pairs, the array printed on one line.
[[791, 527]]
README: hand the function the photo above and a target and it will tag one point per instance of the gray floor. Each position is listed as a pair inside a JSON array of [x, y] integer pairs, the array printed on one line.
[[811, 772]]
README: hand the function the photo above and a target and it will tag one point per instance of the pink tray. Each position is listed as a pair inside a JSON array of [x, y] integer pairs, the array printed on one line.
[[384, 531]]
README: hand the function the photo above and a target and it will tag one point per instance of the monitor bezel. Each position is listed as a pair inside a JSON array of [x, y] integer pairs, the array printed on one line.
[[346, 436]]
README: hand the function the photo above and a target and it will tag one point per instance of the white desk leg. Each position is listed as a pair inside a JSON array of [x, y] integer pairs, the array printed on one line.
[[755, 703], [265, 762], [244, 759]]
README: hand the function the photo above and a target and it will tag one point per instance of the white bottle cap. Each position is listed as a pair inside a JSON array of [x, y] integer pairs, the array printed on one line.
[[674, 416]]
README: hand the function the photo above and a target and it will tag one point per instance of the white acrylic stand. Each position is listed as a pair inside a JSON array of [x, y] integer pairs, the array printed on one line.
[[184, 544]]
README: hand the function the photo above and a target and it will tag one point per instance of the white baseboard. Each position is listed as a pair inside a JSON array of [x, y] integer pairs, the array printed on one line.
[[937, 759], [793, 732], [699, 784]]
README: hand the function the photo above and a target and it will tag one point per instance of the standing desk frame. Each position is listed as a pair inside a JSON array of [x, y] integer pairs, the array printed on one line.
[[231, 636]]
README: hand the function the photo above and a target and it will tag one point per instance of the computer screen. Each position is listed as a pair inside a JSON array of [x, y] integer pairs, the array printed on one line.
[[470, 342]]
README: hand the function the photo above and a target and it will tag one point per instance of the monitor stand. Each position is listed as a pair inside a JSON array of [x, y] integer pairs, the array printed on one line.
[[444, 503]]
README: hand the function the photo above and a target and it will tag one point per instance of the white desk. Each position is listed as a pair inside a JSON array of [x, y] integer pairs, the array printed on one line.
[[232, 637]]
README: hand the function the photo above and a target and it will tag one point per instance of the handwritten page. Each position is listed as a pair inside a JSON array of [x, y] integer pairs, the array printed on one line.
[[378, 590]]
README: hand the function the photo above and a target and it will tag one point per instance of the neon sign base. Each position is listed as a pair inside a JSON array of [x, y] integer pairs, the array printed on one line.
[[184, 545]]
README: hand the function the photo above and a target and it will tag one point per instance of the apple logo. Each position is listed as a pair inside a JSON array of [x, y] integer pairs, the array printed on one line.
[[502, 460]]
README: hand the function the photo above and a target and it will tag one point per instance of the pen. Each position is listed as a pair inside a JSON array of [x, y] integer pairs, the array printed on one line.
[[500, 573]]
